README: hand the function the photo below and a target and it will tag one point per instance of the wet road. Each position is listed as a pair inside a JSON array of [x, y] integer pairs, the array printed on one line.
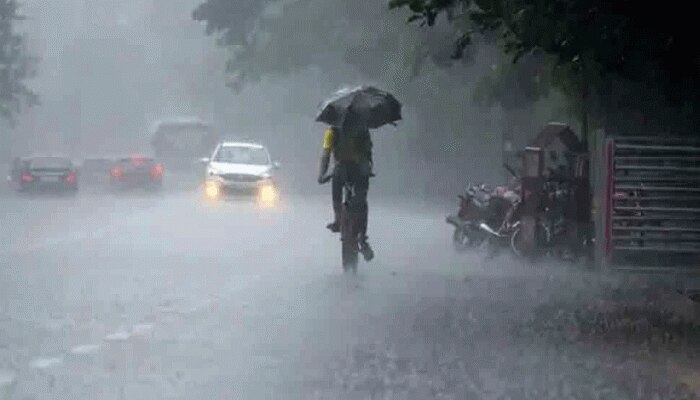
[[155, 297]]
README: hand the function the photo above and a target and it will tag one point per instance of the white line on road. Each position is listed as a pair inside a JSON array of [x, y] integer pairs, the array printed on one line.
[[142, 329], [118, 336], [46, 363], [85, 349]]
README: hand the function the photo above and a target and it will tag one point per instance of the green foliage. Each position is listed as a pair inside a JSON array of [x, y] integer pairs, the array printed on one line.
[[515, 85], [593, 43], [232, 19], [279, 37], [361, 40], [16, 66]]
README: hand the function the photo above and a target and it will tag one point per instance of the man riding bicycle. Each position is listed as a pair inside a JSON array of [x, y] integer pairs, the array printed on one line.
[[351, 147]]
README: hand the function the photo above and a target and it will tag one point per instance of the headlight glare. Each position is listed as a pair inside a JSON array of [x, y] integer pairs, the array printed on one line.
[[212, 189]]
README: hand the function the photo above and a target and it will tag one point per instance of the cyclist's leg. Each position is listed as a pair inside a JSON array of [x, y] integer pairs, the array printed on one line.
[[337, 182], [337, 196], [361, 206], [358, 174], [360, 181]]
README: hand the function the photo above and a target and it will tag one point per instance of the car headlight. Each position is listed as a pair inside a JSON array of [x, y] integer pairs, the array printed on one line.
[[212, 189], [267, 195]]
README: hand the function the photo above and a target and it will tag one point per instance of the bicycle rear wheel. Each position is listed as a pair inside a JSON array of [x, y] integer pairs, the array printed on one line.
[[348, 238]]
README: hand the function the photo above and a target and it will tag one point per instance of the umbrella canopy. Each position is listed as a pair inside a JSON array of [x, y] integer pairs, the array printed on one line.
[[364, 104]]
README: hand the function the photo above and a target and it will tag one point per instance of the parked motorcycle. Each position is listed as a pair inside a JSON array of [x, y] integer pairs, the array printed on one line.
[[503, 228], [481, 215], [491, 219], [472, 210], [551, 234]]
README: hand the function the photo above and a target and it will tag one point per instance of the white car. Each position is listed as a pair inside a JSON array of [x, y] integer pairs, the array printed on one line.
[[241, 168]]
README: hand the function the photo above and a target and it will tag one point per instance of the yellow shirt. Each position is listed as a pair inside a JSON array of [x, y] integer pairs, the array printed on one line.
[[328, 139], [356, 150]]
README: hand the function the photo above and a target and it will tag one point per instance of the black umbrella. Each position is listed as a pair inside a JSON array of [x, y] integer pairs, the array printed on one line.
[[371, 106]]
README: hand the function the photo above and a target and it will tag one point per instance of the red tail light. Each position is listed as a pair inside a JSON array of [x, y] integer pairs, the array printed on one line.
[[27, 177], [157, 171], [71, 178], [116, 172]]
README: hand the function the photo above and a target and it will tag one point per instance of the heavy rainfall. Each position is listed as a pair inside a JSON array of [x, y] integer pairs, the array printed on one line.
[[349, 199]]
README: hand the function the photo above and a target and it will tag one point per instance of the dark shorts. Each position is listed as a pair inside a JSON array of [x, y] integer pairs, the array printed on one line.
[[355, 173]]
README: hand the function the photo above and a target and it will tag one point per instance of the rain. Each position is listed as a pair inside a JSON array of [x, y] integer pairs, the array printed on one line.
[[348, 199]]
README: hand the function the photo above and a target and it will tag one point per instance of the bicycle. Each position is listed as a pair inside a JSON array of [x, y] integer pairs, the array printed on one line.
[[349, 236]]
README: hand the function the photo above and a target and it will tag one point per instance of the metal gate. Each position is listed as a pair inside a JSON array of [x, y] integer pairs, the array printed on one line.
[[651, 203]]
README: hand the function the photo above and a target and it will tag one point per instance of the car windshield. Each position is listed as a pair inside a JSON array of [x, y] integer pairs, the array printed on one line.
[[242, 155], [49, 162]]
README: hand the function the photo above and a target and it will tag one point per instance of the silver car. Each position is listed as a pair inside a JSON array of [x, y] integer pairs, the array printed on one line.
[[241, 169]]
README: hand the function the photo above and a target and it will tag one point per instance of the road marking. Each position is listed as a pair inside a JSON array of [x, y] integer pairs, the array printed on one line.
[[46, 363], [85, 349], [118, 336], [142, 329]]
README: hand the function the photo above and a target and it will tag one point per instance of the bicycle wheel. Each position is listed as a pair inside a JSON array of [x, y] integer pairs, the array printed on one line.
[[543, 238], [515, 243], [348, 238]]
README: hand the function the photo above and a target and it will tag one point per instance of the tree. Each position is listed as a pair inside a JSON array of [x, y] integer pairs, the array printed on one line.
[[349, 41], [603, 51], [279, 37], [360, 40], [232, 19], [16, 66]]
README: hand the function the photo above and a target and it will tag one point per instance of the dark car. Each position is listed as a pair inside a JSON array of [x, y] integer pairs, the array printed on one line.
[[19, 164], [46, 173], [136, 172]]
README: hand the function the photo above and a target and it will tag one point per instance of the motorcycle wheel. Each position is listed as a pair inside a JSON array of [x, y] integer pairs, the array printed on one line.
[[461, 240]]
